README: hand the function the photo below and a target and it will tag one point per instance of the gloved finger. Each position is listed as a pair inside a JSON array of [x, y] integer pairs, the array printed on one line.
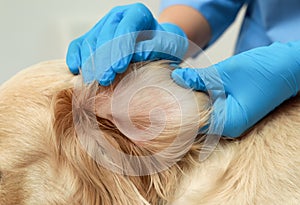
[[97, 67], [101, 32], [73, 58], [88, 47], [188, 78], [136, 18], [89, 50], [236, 118], [106, 78], [89, 43], [77, 53], [207, 79], [107, 51], [109, 26], [121, 37], [228, 118], [203, 79], [167, 41], [109, 55], [163, 45], [90, 76]]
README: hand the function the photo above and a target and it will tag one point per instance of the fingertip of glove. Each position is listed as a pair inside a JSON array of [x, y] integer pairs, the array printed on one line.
[[73, 67], [74, 71], [104, 82], [107, 78], [121, 65], [188, 78], [73, 63], [178, 76], [142, 9]]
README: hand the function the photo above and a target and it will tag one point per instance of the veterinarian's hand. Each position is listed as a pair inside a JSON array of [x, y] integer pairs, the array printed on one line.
[[255, 82], [124, 21]]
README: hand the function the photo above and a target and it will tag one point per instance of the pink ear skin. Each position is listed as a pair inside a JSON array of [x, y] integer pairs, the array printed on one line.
[[103, 107]]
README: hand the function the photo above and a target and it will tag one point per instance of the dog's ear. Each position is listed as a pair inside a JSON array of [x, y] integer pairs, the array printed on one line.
[[77, 151], [91, 135], [152, 116]]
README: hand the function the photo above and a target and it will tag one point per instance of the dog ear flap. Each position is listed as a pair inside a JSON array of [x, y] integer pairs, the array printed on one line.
[[90, 174], [86, 110]]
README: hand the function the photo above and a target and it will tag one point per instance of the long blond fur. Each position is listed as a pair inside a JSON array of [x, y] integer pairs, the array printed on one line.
[[51, 152]]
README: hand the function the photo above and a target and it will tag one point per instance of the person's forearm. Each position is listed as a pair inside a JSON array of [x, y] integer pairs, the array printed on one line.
[[190, 21]]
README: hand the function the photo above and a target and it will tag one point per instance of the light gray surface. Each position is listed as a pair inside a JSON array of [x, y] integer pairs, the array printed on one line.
[[35, 30]]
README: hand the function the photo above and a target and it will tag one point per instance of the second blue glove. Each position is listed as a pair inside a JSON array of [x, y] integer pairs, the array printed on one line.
[[255, 82]]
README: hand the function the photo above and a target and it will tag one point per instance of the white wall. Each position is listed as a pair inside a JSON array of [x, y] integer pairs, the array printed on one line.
[[38, 30]]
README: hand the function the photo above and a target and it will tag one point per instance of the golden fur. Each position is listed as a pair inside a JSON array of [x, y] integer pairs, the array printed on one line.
[[42, 160]]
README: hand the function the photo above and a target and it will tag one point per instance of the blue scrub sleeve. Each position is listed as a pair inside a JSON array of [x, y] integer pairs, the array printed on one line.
[[219, 13]]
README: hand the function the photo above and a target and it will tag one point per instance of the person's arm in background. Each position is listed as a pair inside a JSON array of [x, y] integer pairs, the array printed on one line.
[[191, 21], [203, 21]]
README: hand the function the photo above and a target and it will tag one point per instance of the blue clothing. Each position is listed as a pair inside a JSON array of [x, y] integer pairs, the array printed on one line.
[[265, 21]]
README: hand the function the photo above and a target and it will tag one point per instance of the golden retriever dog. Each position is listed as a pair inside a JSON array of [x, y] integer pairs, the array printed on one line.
[[135, 142]]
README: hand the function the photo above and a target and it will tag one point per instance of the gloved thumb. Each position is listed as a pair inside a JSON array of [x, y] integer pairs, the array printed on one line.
[[202, 79], [188, 78], [208, 80]]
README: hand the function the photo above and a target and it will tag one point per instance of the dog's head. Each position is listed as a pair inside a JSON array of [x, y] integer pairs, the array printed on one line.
[[128, 143]]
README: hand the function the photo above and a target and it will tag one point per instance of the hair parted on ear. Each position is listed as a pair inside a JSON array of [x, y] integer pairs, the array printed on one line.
[[143, 113]]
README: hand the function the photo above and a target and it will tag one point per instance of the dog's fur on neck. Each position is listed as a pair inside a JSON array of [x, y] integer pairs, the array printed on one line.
[[42, 160]]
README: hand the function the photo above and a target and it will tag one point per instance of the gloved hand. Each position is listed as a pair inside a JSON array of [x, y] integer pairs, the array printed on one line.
[[255, 82], [114, 56]]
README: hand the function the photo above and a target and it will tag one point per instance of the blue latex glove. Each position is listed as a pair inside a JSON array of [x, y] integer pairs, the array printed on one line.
[[255, 82], [122, 21]]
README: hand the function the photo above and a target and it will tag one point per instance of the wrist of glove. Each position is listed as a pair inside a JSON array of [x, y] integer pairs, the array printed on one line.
[[127, 33], [255, 82]]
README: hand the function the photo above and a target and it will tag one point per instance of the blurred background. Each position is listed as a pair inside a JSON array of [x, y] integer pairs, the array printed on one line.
[[39, 30]]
